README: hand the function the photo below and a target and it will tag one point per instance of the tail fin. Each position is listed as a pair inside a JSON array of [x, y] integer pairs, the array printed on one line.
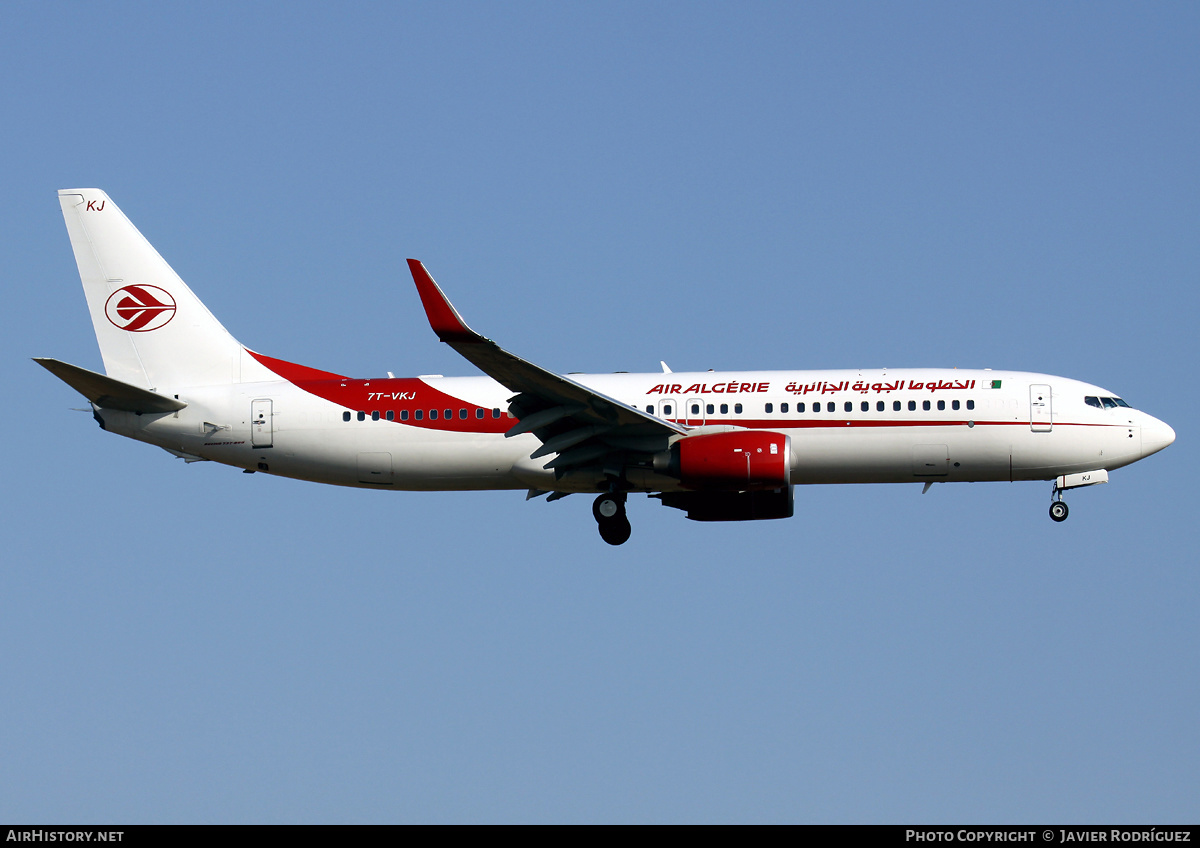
[[153, 332]]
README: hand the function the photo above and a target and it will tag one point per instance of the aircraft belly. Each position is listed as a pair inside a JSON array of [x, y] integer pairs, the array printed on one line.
[[371, 454], [458, 462], [846, 456], [1068, 449], [900, 454]]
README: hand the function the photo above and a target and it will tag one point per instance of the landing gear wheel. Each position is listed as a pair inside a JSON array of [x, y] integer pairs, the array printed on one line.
[[1059, 511], [609, 506], [609, 510], [615, 531]]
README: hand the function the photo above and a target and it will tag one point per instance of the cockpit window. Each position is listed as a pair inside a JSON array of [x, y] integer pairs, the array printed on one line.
[[1105, 402]]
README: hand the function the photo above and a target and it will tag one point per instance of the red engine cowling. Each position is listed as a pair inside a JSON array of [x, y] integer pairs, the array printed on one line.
[[739, 460]]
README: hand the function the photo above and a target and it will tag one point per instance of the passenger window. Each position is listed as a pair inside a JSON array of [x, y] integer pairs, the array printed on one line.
[[650, 408], [783, 407], [954, 404], [895, 406], [970, 404], [496, 413], [419, 414], [912, 406], [375, 415], [925, 405], [724, 409], [737, 408], [346, 415], [848, 406], [449, 414], [433, 415], [710, 409], [391, 415], [666, 409], [941, 406], [479, 412], [695, 409], [865, 406], [362, 416], [462, 415], [769, 408], [404, 415], [799, 407]]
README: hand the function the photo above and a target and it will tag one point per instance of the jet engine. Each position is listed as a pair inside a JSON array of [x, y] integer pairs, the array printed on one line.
[[732, 506], [733, 461]]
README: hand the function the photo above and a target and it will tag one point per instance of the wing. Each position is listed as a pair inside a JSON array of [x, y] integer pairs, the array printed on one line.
[[590, 432]]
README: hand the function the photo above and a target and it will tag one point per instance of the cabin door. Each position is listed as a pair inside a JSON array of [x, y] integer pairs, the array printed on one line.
[[1041, 414], [261, 430]]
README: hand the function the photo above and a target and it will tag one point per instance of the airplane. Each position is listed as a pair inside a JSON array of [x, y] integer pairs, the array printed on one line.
[[721, 446]]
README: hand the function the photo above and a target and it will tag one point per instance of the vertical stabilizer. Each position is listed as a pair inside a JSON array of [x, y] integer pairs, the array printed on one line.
[[152, 330]]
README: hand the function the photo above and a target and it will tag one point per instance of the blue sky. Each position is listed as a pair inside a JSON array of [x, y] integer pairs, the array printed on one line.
[[599, 187]]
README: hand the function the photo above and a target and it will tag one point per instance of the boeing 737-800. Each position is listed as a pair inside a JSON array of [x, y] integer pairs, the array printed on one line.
[[727, 446]]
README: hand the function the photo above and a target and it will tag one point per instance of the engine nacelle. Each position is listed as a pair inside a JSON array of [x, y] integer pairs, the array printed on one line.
[[732, 506], [737, 460]]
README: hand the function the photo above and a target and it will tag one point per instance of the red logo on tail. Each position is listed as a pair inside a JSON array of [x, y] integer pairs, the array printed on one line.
[[140, 308]]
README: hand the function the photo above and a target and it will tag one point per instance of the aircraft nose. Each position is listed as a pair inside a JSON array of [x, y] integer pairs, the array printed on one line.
[[1156, 435]]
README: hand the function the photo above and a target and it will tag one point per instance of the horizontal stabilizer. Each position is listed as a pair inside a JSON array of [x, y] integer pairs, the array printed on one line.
[[108, 393]]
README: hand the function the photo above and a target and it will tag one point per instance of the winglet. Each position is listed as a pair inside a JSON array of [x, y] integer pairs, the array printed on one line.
[[443, 317]]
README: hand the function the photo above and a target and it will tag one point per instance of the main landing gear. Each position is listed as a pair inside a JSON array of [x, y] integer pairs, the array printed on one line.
[[1058, 509], [609, 510]]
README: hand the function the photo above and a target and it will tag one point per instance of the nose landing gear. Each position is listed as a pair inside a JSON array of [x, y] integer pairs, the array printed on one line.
[[609, 510]]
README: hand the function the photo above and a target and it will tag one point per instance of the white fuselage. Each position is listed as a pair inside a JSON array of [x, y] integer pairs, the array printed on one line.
[[855, 426], [726, 446]]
